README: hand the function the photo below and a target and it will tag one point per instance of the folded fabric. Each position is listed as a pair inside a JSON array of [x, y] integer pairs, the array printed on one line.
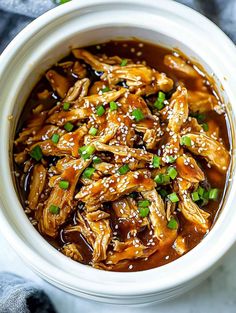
[[18, 295]]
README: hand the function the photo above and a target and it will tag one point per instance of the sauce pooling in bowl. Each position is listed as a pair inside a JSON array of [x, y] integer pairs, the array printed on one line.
[[123, 150]]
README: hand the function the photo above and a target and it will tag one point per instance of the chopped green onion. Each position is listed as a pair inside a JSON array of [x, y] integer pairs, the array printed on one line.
[[124, 169], [186, 141], [54, 209], [163, 193], [205, 195], [143, 212], [156, 161], [173, 197], [93, 131], [96, 160], [64, 184], [172, 172], [68, 126], [113, 106], [86, 152], [213, 194], [36, 153], [172, 224], [200, 191], [106, 89], [61, 1], [143, 203], [138, 115], [159, 103], [124, 62], [88, 172], [170, 159], [100, 110], [205, 127], [55, 138], [162, 179], [195, 196], [66, 106]]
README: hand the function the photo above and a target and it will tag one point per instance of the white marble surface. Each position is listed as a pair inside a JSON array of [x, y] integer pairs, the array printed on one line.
[[217, 294]]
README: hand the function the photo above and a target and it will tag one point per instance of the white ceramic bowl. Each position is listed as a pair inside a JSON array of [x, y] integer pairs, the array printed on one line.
[[41, 44]]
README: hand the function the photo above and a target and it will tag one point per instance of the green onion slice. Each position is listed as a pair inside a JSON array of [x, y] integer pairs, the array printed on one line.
[[144, 203], [36, 153], [213, 194], [172, 172], [66, 106], [68, 126], [100, 110], [55, 138], [106, 89], [113, 106], [88, 172], [173, 197], [143, 212], [186, 141], [93, 131], [159, 103], [172, 224], [156, 161], [124, 169], [64, 184], [54, 209], [86, 152], [195, 196], [138, 115], [124, 62]]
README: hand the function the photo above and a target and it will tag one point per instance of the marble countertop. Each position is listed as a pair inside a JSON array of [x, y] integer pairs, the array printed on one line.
[[217, 294]]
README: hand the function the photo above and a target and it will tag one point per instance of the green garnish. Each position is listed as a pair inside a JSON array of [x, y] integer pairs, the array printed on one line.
[[138, 115], [106, 89], [96, 160], [162, 179], [186, 141], [86, 152], [173, 197], [143, 203], [64, 184], [93, 131], [54, 209], [55, 138], [200, 191], [143, 212], [163, 193], [205, 127], [88, 172], [213, 194], [172, 224], [172, 172], [66, 106], [170, 159], [36, 153], [159, 103], [68, 126], [156, 161], [61, 1], [113, 106], [124, 62], [124, 169], [195, 196], [100, 110]]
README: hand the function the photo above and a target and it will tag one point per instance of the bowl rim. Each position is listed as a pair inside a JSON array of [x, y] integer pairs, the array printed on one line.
[[37, 262]]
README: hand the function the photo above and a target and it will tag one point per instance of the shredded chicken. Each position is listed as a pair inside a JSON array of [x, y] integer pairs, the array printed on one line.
[[114, 153]]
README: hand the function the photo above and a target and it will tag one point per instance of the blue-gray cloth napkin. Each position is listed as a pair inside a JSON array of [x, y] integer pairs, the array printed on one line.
[[18, 295]]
